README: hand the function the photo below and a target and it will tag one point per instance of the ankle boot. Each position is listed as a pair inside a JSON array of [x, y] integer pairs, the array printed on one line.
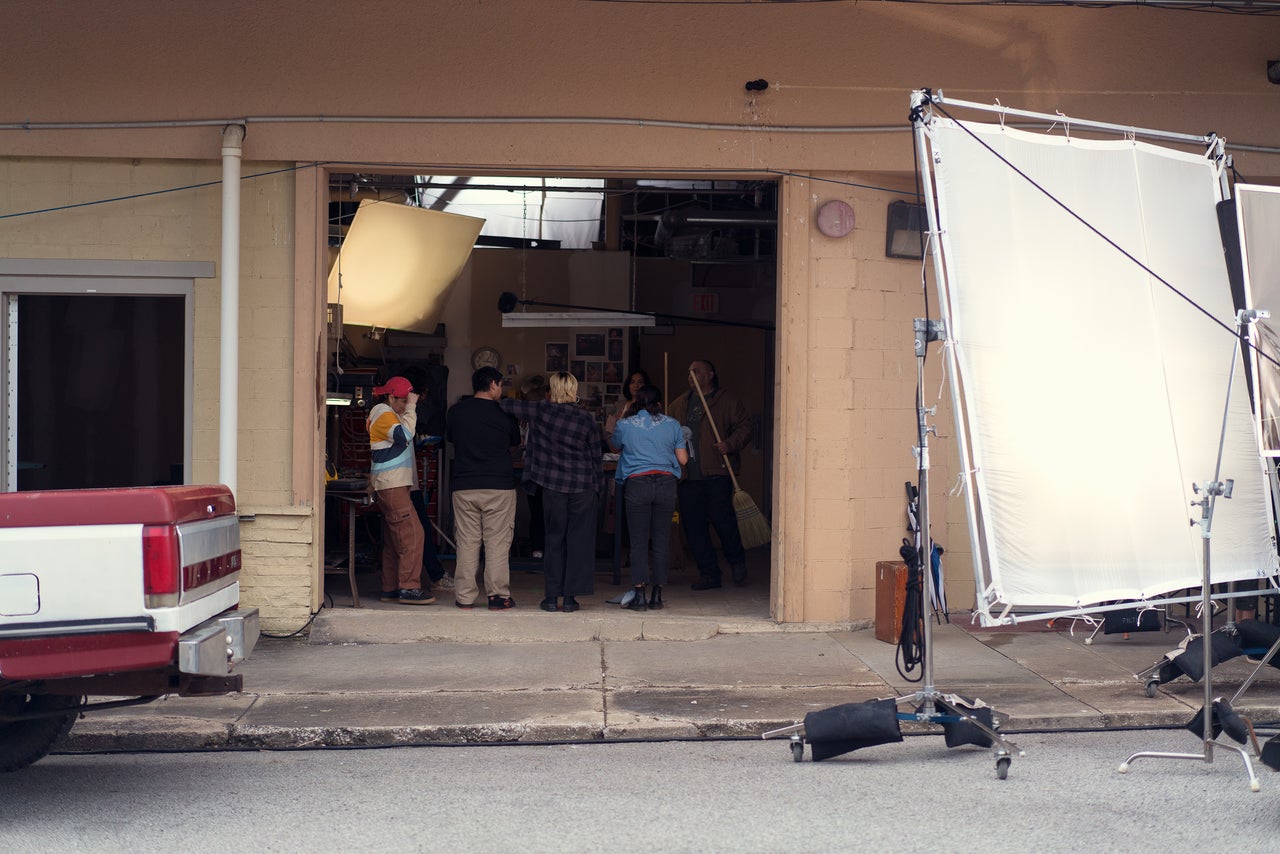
[[655, 598], [637, 602]]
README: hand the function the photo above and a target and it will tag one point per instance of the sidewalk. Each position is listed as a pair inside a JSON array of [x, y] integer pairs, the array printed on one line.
[[383, 675]]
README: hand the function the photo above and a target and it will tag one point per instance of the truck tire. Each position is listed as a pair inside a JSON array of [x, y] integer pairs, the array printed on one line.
[[23, 742]]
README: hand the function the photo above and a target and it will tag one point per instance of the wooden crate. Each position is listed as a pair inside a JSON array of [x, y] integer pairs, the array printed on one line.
[[891, 597]]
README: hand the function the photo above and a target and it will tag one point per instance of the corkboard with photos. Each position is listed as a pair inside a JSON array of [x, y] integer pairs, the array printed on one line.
[[596, 362]]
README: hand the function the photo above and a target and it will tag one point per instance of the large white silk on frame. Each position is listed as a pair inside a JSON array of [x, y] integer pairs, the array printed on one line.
[[1093, 395]]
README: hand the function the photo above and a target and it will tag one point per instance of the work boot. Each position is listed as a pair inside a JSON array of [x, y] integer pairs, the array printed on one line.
[[706, 582], [655, 598], [637, 602]]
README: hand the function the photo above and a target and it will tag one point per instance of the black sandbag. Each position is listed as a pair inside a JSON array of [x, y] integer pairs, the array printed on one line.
[[1168, 672], [1270, 755], [1130, 620], [1191, 660], [1225, 719], [1257, 635], [852, 726], [959, 733]]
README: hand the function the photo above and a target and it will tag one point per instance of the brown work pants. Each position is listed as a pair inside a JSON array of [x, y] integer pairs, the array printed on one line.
[[402, 540]]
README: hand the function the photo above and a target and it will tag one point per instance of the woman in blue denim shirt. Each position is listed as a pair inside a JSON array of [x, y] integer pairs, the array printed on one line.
[[652, 448]]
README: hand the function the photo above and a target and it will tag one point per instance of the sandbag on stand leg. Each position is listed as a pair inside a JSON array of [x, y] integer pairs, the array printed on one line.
[[851, 726]]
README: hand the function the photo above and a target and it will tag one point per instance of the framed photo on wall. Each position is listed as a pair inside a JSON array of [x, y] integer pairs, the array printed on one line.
[[589, 344], [593, 372], [557, 356], [578, 368], [614, 345]]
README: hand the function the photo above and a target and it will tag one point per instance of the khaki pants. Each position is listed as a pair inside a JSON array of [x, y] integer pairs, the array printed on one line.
[[485, 516], [402, 540]]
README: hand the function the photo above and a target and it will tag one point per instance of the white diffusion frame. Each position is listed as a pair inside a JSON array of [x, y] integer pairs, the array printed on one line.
[[1092, 395], [1258, 212]]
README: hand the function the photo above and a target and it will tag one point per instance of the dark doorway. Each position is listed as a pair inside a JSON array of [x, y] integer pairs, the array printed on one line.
[[101, 391]]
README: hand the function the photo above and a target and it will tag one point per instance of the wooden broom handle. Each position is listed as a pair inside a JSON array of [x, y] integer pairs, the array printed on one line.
[[715, 431]]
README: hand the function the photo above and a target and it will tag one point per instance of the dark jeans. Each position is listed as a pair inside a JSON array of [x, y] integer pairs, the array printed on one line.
[[569, 553], [430, 561], [537, 523], [704, 503], [650, 499]]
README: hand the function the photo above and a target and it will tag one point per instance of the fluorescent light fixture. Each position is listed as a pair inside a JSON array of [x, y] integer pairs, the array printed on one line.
[[574, 319], [334, 398]]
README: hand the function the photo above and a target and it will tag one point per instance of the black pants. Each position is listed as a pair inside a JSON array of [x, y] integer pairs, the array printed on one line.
[[569, 553], [650, 500], [703, 504]]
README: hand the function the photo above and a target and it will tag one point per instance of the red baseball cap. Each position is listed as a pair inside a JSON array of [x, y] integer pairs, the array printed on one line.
[[396, 387]]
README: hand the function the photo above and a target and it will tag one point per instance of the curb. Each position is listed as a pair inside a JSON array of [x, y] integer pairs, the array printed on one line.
[[192, 736]]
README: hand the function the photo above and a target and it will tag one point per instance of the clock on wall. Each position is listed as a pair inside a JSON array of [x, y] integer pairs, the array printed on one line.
[[486, 357], [835, 218]]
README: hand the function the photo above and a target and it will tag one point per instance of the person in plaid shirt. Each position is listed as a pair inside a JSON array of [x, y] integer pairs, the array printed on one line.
[[564, 456]]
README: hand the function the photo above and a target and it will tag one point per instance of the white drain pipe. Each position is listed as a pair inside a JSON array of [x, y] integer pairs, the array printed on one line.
[[229, 363]]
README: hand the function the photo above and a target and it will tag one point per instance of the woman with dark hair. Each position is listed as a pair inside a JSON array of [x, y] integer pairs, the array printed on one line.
[[562, 456], [636, 380], [653, 449]]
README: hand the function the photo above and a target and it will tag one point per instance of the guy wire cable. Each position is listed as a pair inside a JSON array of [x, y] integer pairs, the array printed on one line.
[[1104, 237]]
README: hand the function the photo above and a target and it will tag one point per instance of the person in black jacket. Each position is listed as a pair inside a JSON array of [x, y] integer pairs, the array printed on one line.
[[483, 483]]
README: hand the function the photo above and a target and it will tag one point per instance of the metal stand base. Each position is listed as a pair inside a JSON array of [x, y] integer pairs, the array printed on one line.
[[1212, 490], [928, 702], [1206, 756], [930, 705]]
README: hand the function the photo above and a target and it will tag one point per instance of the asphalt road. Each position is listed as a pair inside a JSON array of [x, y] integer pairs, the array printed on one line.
[[1064, 795]]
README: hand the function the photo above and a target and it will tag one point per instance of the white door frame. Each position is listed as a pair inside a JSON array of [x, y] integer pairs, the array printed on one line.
[[21, 276]]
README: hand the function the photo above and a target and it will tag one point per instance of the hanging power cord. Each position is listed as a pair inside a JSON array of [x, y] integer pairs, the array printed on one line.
[[911, 649]]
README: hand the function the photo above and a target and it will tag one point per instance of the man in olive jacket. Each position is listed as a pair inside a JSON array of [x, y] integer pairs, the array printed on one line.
[[706, 492]]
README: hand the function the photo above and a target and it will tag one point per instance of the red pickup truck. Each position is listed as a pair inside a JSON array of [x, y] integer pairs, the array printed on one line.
[[121, 596]]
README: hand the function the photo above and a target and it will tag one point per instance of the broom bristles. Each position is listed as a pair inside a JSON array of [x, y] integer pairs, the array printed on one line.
[[753, 528]]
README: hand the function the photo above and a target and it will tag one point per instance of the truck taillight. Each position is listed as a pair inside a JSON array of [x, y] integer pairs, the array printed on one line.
[[161, 566]]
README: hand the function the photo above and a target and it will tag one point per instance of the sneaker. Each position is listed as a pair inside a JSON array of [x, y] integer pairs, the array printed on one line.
[[444, 582], [465, 605], [415, 597], [501, 603], [389, 596], [705, 583]]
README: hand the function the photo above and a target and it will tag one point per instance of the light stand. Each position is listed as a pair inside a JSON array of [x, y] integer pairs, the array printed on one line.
[[1207, 503], [864, 727]]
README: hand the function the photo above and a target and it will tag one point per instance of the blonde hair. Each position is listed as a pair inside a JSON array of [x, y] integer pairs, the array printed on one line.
[[564, 388]]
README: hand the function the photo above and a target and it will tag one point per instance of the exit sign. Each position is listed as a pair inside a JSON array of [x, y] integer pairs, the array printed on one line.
[[706, 303]]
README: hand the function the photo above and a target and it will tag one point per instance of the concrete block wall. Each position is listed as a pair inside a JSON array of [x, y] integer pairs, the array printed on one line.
[[859, 427], [157, 210]]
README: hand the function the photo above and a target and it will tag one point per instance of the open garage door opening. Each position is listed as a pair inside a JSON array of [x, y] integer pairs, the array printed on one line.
[[700, 256]]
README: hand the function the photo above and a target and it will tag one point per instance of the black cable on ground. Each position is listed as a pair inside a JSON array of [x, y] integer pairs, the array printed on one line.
[[298, 631]]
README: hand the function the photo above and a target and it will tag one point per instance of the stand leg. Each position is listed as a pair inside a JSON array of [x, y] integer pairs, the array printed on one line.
[[351, 553]]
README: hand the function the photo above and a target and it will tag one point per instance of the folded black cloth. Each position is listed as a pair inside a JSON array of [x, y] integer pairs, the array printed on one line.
[[1189, 659], [1271, 753], [851, 726], [1225, 719], [1256, 635]]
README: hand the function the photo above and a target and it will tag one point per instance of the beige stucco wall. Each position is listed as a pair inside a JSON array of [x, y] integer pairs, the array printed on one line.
[[171, 211], [845, 371]]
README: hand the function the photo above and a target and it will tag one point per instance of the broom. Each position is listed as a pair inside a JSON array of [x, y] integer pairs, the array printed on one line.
[[753, 528]]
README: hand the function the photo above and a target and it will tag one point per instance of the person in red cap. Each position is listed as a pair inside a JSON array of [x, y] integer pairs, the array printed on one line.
[[392, 475]]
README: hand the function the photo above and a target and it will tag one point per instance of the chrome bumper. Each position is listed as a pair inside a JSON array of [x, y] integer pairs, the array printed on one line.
[[211, 648]]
